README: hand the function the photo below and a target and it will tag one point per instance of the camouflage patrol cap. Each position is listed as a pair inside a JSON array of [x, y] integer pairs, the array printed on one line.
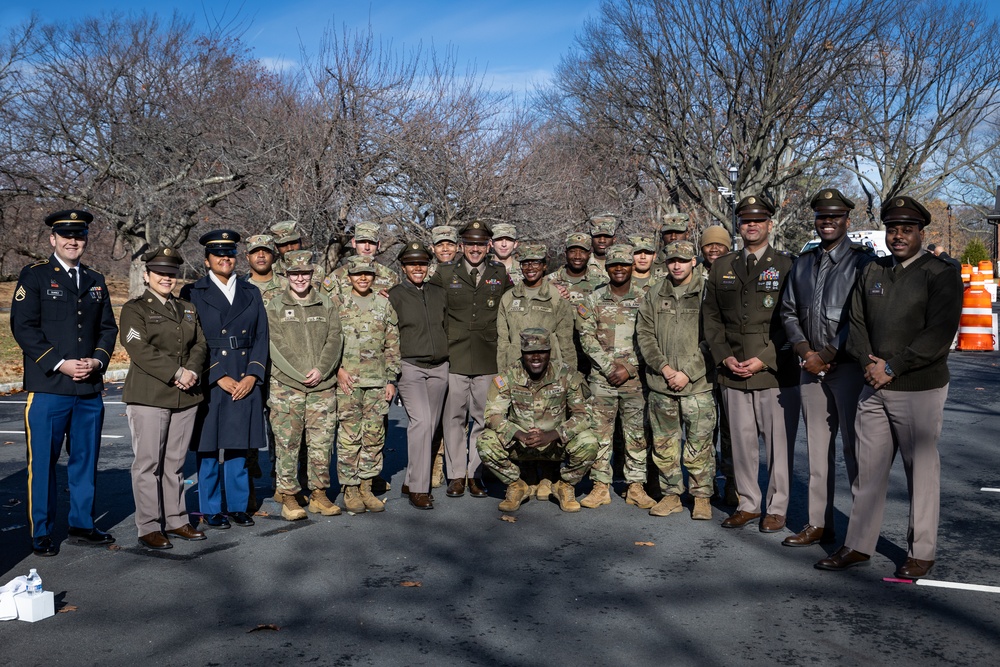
[[535, 339], [415, 252], [619, 253], [716, 234], [360, 264], [603, 224], [532, 251], [299, 261], [258, 241], [831, 200], [579, 240], [755, 207], [165, 261], [476, 230], [902, 210], [642, 243], [444, 233], [683, 250], [284, 232], [504, 230], [674, 222], [366, 231]]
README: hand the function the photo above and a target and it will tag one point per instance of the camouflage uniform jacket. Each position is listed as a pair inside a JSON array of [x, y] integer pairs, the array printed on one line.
[[515, 273], [371, 340], [304, 335], [337, 283], [643, 285], [578, 287], [556, 402], [277, 282], [546, 309], [669, 332], [607, 333]]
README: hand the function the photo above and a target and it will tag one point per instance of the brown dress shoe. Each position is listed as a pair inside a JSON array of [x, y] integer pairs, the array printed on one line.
[[772, 523], [155, 540], [187, 532], [405, 490], [422, 501], [842, 559], [739, 518], [914, 568], [456, 488], [808, 536], [476, 488]]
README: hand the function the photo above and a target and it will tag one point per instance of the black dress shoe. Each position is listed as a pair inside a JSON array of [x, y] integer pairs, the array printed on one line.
[[44, 546], [216, 521], [241, 519], [155, 540], [91, 537], [456, 488], [477, 489]]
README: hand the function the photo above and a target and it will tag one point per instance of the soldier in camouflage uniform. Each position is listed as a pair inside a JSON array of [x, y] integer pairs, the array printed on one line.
[[444, 245], [606, 322], [365, 383], [286, 239], [538, 409], [603, 228], [643, 252], [575, 280], [306, 345], [366, 243], [505, 246], [680, 396], [673, 227]]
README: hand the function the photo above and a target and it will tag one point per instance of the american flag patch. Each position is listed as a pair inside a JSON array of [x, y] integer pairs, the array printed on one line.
[[500, 382]]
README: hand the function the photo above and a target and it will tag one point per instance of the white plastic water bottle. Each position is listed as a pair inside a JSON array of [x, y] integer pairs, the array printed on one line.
[[34, 583]]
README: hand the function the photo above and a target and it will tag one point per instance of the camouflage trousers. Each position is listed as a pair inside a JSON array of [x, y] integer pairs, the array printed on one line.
[[628, 403], [361, 435], [577, 456], [671, 417], [292, 412]]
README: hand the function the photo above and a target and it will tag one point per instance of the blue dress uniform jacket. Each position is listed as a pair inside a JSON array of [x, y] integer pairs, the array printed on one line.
[[52, 320], [237, 338]]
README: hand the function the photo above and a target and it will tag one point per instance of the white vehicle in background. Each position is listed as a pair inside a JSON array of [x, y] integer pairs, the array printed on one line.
[[869, 237]]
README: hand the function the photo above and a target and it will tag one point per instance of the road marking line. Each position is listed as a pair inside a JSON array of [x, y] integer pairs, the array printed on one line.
[[22, 433], [105, 402], [944, 584], [986, 488]]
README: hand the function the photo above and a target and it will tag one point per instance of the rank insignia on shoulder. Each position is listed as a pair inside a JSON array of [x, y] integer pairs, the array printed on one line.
[[20, 294], [132, 335], [500, 382], [583, 310]]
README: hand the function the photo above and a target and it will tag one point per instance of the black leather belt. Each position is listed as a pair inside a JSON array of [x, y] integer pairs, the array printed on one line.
[[232, 343]]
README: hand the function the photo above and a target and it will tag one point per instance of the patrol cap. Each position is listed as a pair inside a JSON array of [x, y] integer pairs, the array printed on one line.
[[619, 253], [579, 240], [535, 339], [165, 261], [476, 230], [902, 210], [831, 200], [674, 222], [366, 231], [444, 233], [683, 250], [641, 243], [258, 241], [413, 252], [284, 232], [299, 261], [220, 242], [716, 234], [603, 224], [504, 230], [360, 264], [532, 251], [754, 207], [69, 221]]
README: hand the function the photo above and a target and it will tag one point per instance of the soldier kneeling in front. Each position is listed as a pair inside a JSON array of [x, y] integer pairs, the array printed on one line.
[[537, 409]]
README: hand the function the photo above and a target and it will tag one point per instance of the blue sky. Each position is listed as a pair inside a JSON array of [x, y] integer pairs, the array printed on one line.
[[514, 43]]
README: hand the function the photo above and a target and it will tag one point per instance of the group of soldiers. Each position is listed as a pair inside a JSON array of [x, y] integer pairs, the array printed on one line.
[[651, 347]]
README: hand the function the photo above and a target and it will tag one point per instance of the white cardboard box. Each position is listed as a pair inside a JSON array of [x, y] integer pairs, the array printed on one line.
[[35, 607]]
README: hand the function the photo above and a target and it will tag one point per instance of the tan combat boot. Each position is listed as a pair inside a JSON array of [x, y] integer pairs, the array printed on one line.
[[637, 496], [372, 503], [566, 495], [671, 504], [319, 503], [437, 471], [352, 500], [599, 495], [290, 508], [544, 489], [517, 493], [702, 509]]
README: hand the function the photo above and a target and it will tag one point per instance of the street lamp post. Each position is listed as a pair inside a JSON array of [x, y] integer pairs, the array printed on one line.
[[730, 193]]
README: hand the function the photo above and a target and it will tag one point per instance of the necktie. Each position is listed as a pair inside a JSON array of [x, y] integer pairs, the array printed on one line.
[[475, 277], [177, 309], [72, 276], [751, 263]]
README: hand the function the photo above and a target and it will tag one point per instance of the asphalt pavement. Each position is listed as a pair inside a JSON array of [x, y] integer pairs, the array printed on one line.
[[459, 586]]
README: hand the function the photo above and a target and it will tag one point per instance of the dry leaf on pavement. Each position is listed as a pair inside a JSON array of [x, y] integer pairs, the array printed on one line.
[[644, 544], [264, 626], [66, 607], [508, 518], [411, 584]]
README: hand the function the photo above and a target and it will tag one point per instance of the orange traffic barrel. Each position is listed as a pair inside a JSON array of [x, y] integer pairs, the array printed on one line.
[[975, 330], [966, 273], [986, 270]]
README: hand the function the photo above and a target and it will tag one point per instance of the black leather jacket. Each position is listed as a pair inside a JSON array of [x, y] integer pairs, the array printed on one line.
[[830, 341]]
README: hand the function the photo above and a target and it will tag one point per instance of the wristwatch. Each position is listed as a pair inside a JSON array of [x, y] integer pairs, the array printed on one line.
[[888, 370]]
